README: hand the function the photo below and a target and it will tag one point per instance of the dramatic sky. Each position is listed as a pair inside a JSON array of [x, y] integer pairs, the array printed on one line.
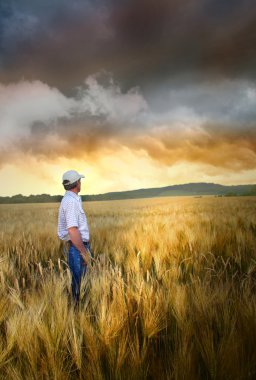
[[131, 93]]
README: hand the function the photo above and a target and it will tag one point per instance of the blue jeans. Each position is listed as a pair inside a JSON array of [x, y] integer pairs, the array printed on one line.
[[77, 268]]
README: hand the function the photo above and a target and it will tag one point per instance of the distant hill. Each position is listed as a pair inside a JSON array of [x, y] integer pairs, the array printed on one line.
[[176, 190], [192, 189]]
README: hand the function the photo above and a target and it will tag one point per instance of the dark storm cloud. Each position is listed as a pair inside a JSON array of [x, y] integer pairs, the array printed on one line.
[[140, 41]]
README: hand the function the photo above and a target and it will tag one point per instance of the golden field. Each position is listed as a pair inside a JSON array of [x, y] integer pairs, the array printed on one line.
[[171, 294]]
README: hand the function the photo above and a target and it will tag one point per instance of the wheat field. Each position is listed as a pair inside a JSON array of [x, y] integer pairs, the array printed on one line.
[[171, 294]]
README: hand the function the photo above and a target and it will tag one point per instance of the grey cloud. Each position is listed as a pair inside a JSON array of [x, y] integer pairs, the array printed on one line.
[[102, 118], [230, 101], [39, 129], [34, 107]]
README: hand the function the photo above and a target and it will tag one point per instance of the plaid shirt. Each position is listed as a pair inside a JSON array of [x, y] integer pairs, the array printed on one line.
[[71, 214]]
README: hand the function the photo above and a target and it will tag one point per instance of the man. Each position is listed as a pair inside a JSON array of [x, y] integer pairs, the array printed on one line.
[[73, 228]]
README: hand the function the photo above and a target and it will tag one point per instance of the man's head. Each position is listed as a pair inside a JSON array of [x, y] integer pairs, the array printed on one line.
[[71, 180]]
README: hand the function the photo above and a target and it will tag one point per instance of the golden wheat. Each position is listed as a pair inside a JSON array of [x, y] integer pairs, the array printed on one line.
[[171, 294]]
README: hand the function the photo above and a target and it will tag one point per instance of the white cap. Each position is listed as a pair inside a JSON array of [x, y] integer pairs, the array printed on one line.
[[71, 176]]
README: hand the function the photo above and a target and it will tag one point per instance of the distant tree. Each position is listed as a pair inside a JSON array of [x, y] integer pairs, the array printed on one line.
[[230, 194], [252, 191]]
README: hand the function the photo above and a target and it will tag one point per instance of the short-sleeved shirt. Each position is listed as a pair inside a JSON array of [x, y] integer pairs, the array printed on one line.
[[71, 214]]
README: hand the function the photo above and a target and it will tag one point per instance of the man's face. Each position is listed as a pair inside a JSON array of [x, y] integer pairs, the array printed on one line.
[[79, 185]]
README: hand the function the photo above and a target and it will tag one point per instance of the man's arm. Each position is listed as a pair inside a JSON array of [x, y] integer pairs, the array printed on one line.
[[76, 239]]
